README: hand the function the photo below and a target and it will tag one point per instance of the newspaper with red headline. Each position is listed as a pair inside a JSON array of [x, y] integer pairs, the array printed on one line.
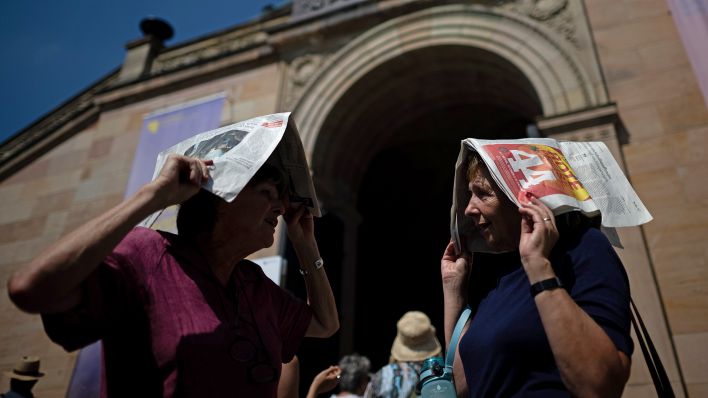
[[565, 175], [238, 151]]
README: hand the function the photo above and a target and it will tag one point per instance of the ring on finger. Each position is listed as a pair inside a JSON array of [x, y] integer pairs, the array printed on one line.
[[546, 219]]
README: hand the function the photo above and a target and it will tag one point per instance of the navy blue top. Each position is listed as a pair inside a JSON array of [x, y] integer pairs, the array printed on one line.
[[505, 352]]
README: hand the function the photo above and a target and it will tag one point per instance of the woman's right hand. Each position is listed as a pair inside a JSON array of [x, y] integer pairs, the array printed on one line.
[[455, 269], [181, 177]]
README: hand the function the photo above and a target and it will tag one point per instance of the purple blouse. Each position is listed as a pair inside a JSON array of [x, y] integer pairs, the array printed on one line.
[[169, 328]]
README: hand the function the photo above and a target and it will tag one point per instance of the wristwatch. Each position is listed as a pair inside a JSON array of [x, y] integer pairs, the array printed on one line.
[[318, 264], [546, 284]]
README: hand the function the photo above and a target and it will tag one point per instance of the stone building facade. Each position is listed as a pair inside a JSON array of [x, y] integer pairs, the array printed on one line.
[[382, 92]]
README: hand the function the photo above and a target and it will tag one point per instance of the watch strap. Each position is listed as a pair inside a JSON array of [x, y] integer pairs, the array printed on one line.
[[546, 284]]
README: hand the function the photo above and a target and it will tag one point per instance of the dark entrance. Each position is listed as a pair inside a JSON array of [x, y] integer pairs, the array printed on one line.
[[387, 150], [404, 200]]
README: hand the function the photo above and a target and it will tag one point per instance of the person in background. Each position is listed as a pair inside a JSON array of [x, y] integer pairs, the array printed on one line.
[[550, 316], [352, 374], [324, 381], [182, 315], [23, 377], [415, 341], [289, 384]]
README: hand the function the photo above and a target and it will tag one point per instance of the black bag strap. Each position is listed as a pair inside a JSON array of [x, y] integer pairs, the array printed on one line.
[[656, 368]]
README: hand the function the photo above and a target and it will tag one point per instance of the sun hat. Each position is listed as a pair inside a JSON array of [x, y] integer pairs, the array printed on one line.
[[26, 369], [415, 340]]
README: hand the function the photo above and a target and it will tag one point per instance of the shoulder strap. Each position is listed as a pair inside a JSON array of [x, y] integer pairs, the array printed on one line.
[[656, 368], [450, 356]]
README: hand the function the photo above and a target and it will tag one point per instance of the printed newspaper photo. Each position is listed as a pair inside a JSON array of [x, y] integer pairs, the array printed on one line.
[[565, 175], [238, 151]]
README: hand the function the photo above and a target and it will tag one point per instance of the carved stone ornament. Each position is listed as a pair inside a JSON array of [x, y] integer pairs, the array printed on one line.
[[302, 68], [300, 71], [206, 50], [303, 9], [553, 13]]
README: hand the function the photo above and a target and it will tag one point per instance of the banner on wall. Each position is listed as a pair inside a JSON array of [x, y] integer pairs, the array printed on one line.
[[691, 18], [165, 128]]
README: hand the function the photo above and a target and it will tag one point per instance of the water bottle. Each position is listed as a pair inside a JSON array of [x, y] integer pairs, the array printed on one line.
[[435, 380]]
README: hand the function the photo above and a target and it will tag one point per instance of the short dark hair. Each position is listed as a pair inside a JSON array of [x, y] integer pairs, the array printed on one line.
[[268, 172], [198, 214]]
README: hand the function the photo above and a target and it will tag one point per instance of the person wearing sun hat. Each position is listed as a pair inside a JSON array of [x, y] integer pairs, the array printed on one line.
[[23, 377], [415, 342]]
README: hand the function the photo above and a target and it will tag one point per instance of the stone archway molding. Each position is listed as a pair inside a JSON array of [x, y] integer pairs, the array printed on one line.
[[551, 64]]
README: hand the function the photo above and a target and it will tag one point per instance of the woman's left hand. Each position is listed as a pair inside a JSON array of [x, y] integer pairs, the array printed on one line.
[[301, 225], [301, 231], [538, 236]]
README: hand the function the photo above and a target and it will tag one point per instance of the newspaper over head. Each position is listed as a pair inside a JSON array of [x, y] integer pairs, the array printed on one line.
[[238, 151], [565, 175]]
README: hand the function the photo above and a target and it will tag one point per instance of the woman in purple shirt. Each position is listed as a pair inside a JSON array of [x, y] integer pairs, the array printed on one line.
[[182, 315], [550, 317]]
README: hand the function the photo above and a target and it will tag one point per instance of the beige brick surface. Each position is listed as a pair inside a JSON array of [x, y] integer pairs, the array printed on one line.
[[623, 65], [53, 201], [693, 351], [685, 112], [22, 230], [648, 390], [100, 147], [660, 103], [607, 14], [683, 269], [662, 55], [636, 33], [644, 119], [645, 88], [697, 390], [34, 170]]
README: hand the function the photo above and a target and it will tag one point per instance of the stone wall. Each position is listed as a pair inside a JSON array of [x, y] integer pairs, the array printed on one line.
[[649, 76]]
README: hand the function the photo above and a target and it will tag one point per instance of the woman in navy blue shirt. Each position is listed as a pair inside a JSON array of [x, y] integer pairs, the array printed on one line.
[[565, 336]]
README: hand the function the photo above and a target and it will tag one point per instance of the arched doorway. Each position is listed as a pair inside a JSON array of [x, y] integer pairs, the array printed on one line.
[[398, 132], [382, 121], [379, 116]]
